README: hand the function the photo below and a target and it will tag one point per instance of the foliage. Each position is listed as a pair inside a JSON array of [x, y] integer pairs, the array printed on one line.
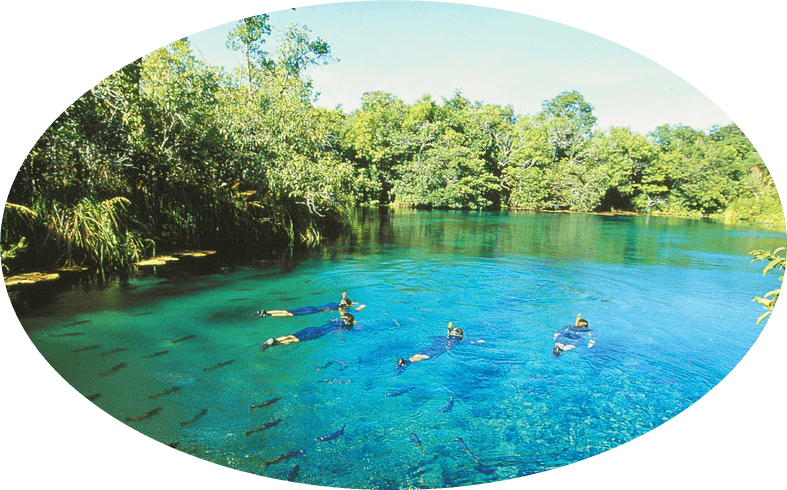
[[191, 156], [173, 152], [776, 261]]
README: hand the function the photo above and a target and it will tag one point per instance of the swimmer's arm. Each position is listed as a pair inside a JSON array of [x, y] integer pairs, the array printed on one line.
[[592, 340]]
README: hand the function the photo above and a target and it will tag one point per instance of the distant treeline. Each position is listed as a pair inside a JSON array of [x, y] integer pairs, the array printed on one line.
[[170, 152]]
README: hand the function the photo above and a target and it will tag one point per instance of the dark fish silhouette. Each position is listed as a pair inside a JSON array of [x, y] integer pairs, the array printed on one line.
[[629, 399], [187, 337], [142, 314], [332, 435], [196, 417], [156, 354], [219, 364], [239, 299], [266, 403], [114, 351], [174, 444], [114, 369], [290, 299], [77, 323], [94, 396], [335, 361], [467, 449], [448, 407], [266, 426], [144, 415], [89, 347], [242, 289], [417, 442], [400, 392], [293, 474], [165, 392], [70, 334], [292, 454], [336, 380]]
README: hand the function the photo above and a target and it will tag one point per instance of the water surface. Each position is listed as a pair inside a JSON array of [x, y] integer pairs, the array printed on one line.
[[669, 301]]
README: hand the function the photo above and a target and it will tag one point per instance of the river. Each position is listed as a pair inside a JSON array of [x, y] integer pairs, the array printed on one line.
[[174, 354]]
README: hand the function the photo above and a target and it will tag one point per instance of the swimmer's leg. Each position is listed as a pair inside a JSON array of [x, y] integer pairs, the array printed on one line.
[[283, 340]]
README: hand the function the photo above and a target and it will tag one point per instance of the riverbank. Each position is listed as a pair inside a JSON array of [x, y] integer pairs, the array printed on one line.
[[30, 278]]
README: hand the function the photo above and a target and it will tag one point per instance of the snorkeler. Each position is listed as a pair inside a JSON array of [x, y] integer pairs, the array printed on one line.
[[440, 345], [346, 323], [307, 310], [572, 336]]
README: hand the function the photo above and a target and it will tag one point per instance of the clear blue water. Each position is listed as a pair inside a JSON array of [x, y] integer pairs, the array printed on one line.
[[669, 301]]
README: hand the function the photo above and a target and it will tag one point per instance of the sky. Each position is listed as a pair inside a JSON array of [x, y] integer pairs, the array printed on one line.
[[494, 56]]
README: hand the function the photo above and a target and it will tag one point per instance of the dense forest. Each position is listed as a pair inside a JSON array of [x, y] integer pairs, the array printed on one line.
[[170, 152]]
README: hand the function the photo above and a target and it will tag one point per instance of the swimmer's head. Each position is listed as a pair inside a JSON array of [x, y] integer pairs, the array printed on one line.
[[347, 318], [455, 331], [344, 294], [582, 323], [557, 351], [401, 362]]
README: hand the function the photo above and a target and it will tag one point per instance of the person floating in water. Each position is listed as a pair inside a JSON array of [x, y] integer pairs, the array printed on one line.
[[572, 336], [307, 310], [346, 323], [440, 345]]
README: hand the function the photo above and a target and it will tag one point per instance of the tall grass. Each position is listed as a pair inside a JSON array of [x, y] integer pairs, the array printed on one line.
[[92, 231]]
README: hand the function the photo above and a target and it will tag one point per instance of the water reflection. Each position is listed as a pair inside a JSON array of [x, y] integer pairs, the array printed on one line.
[[646, 240]]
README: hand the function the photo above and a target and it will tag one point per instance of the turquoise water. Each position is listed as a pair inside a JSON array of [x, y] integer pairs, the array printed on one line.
[[669, 301]]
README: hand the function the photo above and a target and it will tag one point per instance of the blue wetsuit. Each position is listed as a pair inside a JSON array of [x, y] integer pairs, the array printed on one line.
[[310, 333], [310, 310], [435, 350], [572, 335]]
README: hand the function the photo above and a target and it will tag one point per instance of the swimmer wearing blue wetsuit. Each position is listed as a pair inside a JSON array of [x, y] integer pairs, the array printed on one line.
[[440, 345], [309, 333], [306, 310], [572, 336]]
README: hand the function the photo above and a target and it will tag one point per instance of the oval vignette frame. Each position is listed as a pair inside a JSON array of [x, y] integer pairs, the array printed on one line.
[[722, 439]]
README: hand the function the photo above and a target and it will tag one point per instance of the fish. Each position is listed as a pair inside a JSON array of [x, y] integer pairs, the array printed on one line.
[[266, 426], [173, 444], [665, 381], [142, 314], [196, 417], [266, 403], [344, 381], [629, 399], [335, 361], [279, 293], [332, 435], [77, 323], [397, 322], [156, 354], [70, 334], [239, 299], [144, 416], [417, 442], [94, 396], [462, 444], [290, 299], [293, 474], [114, 369], [114, 351], [89, 347], [400, 392], [187, 337], [218, 365], [448, 407], [165, 392], [243, 289], [292, 454]]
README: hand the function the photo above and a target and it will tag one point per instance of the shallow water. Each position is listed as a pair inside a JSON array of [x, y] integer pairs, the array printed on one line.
[[669, 302]]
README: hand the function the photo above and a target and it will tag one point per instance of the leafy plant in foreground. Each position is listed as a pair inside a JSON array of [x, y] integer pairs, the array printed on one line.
[[776, 259]]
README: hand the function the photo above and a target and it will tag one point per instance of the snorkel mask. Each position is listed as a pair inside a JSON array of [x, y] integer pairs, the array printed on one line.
[[455, 332]]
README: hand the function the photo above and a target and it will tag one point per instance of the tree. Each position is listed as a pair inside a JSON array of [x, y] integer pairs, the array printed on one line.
[[249, 37]]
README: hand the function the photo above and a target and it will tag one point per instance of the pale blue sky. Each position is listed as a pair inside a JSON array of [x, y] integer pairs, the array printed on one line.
[[499, 57]]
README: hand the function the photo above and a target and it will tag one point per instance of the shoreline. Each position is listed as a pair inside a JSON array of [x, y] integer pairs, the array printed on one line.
[[18, 281], [22, 280]]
